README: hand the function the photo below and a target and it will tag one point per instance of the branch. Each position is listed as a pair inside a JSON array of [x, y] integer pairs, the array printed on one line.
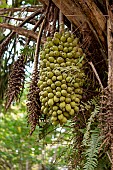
[[96, 74], [19, 30], [3, 45], [28, 9], [19, 19]]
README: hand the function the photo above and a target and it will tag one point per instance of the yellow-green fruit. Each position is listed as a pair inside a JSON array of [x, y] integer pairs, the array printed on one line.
[[51, 59], [55, 123], [54, 78], [55, 108], [60, 117], [55, 48], [49, 82], [53, 86], [66, 114], [64, 55], [68, 100], [62, 98], [50, 102], [63, 38], [57, 83], [50, 74], [57, 72], [45, 111], [68, 107], [72, 112], [56, 41], [57, 35], [54, 113], [64, 120], [59, 112], [77, 100], [58, 94], [76, 108], [64, 92], [73, 104], [53, 118], [62, 105], [59, 77], [50, 95], [60, 60], [64, 86], [56, 99], [49, 90]]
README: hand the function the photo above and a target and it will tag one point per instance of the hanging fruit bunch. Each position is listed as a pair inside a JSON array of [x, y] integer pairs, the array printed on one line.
[[61, 77]]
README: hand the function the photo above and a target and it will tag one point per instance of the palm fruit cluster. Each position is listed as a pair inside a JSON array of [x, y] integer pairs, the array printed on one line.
[[61, 77]]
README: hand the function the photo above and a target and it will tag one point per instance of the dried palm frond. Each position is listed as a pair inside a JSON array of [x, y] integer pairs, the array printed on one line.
[[16, 81], [33, 104]]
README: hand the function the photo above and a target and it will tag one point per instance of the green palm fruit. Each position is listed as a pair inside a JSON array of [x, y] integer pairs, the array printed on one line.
[[54, 78], [62, 105], [62, 98], [63, 92], [73, 104], [75, 42], [54, 91], [75, 49], [50, 74], [64, 55], [76, 109], [64, 120], [69, 55], [76, 85], [55, 48], [56, 41], [63, 64], [60, 60], [55, 108], [59, 112], [60, 48], [39, 83], [66, 44], [47, 51], [70, 49], [77, 100], [45, 93], [64, 75], [49, 82], [72, 112], [54, 113], [67, 100], [69, 39], [64, 86], [51, 54], [78, 54], [66, 114], [57, 73], [60, 117], [63, 38], [57, 35], [57, 83], [65, 49], [58, 94], [59, 77], [51, 59], [53, 118], [45, 111], [56, 99], [50, 102], [53, 86], [55, 123], [49, 39], [58, 88], [68, 107], [52, 65], [78, 90], [67, 34], [69, 89], [50, 95], [68, 79], [56, 53], [42, 108], [49, 90]]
